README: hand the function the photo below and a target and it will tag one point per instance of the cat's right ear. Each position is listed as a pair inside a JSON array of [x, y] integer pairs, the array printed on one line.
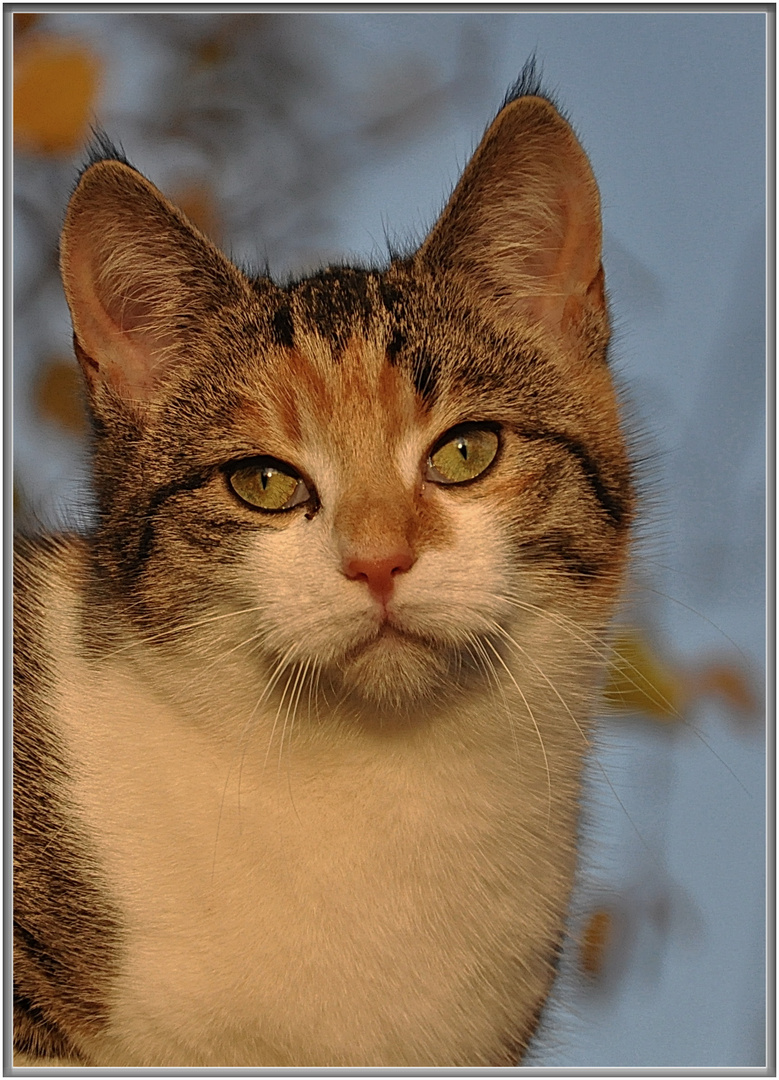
[[139, 280]]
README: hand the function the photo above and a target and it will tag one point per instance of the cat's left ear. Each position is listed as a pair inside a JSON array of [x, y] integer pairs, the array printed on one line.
[[141, 281], [522, 230]]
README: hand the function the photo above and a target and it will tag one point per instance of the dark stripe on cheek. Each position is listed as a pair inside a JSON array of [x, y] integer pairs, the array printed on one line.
[[560, 548], [617, 502], [158, 499]]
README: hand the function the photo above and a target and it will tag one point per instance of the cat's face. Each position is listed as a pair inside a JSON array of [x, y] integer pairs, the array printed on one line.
[[387, 473], [381, 575]]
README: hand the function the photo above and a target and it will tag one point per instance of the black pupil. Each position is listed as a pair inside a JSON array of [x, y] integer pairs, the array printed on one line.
[[265, 476], [462, 446]]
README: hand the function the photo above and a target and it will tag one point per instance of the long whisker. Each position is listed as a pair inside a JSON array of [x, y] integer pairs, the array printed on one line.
[[179, 629], [604, 651], [289, 717], [222, 654], [587, 741], [511, 641], [487, 666], [700, 615], [535, 725], [313, 687], [280, 706]]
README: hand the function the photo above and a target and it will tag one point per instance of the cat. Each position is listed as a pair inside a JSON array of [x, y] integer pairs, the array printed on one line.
[[300, 725]]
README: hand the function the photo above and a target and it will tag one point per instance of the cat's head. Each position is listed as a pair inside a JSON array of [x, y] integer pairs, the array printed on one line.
[[384, 472]]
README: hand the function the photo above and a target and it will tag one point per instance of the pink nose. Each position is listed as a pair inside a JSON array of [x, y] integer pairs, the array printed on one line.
[[379, 574]]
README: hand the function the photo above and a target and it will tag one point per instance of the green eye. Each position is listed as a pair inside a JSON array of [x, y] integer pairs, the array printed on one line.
[[268, 485], [462, 455]]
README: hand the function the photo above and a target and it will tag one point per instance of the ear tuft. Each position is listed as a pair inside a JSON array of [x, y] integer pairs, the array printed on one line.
[[102, 148], [527, 85]]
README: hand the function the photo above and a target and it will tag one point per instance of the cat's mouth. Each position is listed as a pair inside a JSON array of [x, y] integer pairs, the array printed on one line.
[[388, 634], [394, 666], [390, 630]]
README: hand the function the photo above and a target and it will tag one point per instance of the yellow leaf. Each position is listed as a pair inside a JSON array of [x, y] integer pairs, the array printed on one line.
[[58, 395], [639, 681], [55, 87]]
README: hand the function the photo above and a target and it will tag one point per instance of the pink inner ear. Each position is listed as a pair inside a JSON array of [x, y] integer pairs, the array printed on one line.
[[570, 267], [111, 332]]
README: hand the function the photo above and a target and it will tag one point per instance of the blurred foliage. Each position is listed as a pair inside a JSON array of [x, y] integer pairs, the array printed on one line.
[[640, 682], [633, 928], [55, 87], [59, 395], [596, 938], [644, 682]]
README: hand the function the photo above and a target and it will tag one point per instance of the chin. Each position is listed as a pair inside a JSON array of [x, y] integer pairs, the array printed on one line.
[[395, 671]]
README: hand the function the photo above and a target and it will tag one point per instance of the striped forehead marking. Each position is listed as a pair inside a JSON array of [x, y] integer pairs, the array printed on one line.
[[358, 418], [339, 305]]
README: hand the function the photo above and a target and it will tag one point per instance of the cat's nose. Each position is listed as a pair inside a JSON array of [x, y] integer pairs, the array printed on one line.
[[379, 573]]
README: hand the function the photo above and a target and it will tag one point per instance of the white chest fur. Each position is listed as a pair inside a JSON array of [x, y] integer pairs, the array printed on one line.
[[351, 898]]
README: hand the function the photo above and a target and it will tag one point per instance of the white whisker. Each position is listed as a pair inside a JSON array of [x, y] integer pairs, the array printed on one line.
[[492, 677], [292, 706], [180, 629], [526, 703], [604, 651], [607, 653]]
